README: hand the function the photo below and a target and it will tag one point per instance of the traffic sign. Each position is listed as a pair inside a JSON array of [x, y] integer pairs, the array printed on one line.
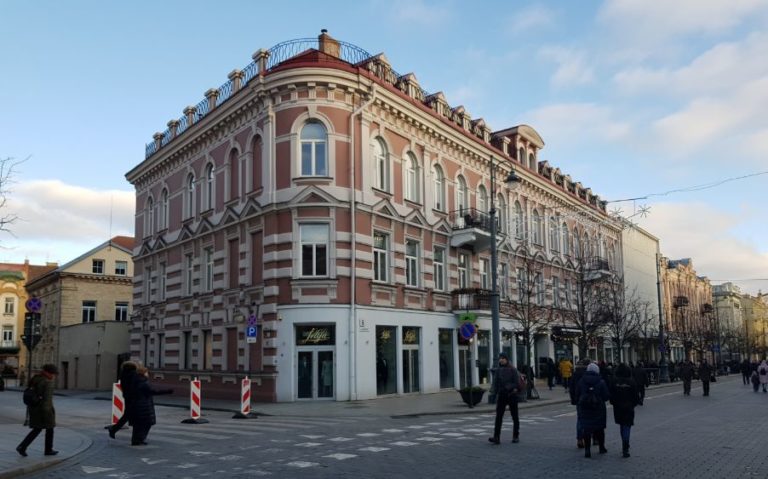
[[252, 319], [467, 330], [34, 304], [251, 334], [464, 317]]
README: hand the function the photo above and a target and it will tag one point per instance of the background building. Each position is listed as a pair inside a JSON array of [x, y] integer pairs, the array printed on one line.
[[347, 210], [755, 313], [733, 329], [78, 297]]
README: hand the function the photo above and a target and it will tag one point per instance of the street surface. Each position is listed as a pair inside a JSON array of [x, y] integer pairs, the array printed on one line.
[[674, 436]]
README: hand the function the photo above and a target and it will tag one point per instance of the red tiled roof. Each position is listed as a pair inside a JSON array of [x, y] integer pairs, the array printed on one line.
[[126, 242], [38, 271]]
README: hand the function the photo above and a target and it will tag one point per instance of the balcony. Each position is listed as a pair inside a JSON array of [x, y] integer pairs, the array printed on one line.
[[9, 347], [596, 269], [471, 229], [476, 299], [680, 302]]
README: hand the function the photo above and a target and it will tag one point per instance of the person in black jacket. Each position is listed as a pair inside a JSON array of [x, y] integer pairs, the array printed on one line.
[[578, 373], [143, 417], [506, 387], [551, 372], [641, 381], [128, 385], [625, 395], [745, 372], [592, 393]]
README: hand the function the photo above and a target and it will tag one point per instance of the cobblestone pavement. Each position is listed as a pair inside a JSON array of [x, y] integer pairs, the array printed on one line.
[[674, 436]]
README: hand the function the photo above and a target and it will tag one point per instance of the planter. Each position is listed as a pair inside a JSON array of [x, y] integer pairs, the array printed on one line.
[[472, 398]]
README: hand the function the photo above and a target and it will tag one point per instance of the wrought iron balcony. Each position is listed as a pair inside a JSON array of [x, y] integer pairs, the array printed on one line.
[[477, 299], [707, 308], [680, 302], [596, 269], [471, 229]]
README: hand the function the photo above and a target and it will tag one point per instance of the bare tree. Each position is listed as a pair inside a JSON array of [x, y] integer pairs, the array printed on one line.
[[7, 171], [624, 313]]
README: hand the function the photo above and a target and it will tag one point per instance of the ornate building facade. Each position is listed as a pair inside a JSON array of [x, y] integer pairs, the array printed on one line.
[[344, 211]]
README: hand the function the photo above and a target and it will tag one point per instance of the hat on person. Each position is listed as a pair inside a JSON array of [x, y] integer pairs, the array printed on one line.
[[594, 368], [503, 356]]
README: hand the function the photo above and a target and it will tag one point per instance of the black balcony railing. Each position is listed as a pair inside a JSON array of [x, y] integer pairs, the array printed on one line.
[[472, 299], [598, 264], [470, 218], [680, 302]]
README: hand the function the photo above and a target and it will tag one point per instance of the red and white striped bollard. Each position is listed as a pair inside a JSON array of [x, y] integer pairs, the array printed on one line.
[[195, 400]]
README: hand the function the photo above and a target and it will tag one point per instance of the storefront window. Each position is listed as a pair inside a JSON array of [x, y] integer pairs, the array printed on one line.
[[411, 360], [386, 360], [446, 358], [483, 356]]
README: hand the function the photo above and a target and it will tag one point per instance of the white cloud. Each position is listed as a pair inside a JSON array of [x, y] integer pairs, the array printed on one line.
[[530, 18], [573, 68], [419, 12], [707, 235], [577, 121], [59, 221]]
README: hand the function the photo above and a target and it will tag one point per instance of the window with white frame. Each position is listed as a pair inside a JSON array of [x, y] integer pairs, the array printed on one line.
[[462, 195], [121, 268], [519, 221], [149, 218], [554, 233], [314, 249], [163, 278], [97, 266], [189, 195], [163, 220], [210, 176], [463, 273], [121, 311], [380, 164], [7, 336], [576, 244], [567, 291], [539, 284], [484, 273], [380, 257], [522, 285], [555, 291], [504, 281], [10, 305], [314, 160], [412, 263], [189, 273], [89, 311], [566, 240], [482, 199], [208, 261], [439, 178], [538, 236], [438, 267], [412, 178], [501, 215]]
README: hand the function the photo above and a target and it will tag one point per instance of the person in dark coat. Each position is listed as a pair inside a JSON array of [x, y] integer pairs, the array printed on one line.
[[592, 415], [745, 372], [143, 417], [641, 381], [625, 395], [686, 374], [42, 415], [506, 387], [578, 373], [705, 374], [128, 385], [551, 372]]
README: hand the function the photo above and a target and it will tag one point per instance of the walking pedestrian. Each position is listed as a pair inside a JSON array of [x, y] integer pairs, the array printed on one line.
[[755, 378], [506, 387], [42, 415], [143, 417], [566, 371], [641, 381], [128, 385], [762, 371], [591, 411], [705, 374], [745, 371], [550, 373], [686, 374], [578, 373], [625, 396]]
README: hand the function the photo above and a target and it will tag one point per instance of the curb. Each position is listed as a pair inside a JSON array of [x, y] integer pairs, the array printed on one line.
[[41, 465]]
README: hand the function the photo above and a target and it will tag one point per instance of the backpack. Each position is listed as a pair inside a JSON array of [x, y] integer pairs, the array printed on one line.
[[590, 400], [31, 398], [762, 371]]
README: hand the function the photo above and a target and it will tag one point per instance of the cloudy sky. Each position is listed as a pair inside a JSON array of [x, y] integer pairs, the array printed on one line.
[[632, 97]]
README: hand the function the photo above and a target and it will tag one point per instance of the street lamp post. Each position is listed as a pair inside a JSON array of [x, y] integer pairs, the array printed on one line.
[[663, 366]]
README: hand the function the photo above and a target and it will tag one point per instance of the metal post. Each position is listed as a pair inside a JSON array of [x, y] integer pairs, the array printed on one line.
[[495, 333], [663, 366]]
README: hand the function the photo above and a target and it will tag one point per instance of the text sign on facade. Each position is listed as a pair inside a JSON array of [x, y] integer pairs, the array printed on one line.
[[315, 335]]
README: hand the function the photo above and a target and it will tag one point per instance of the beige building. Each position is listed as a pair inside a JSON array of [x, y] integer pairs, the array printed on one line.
[[755, 313], [730, 318], [77, 298]]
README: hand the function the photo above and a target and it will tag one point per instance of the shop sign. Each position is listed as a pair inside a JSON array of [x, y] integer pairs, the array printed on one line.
[[315, 335], [467, 317]]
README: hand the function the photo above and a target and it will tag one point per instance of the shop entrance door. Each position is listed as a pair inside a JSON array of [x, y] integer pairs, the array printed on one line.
[[465, 366], [315, 373], [410, 370]]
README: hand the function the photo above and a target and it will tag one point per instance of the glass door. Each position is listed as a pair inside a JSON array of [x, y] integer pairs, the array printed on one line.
[[305, 366], [315, 374], [410, 370], [465, 368], [325, 374]]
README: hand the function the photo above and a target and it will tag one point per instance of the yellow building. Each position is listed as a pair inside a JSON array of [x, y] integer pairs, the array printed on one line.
[[755, 313], [86, 307]]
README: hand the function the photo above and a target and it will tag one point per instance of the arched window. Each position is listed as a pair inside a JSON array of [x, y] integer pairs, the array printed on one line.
[[586, 246], [482, 199], [313, 150], [532, 161], [519, 221], [190, 196], [209, 179], [412, 178], [256, 163], [554, 233], [566, 240], [502, 214], [577, 253], [149, 222], [234, 175], [380, 164], [538, 228], [461, 194], [164, 210], [439, 178], [521, 155]]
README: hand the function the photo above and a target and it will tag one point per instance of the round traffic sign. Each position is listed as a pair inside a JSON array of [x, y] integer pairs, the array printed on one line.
[[34, 304], [251, 331], [467, 330]]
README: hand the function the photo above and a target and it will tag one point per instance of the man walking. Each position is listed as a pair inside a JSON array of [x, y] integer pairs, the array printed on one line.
[[686, 374], [506, 387], [641, 381], [705, 374], [128, 385], [745, 371], [42, 415]]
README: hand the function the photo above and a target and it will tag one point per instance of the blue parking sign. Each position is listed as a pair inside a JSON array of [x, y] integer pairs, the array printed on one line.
[[251, 334]]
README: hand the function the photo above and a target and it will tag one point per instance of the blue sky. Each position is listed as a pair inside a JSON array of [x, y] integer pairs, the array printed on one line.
[[631, 97]]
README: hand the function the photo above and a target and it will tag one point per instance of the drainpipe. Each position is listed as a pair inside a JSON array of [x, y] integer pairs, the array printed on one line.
[[353, 263]]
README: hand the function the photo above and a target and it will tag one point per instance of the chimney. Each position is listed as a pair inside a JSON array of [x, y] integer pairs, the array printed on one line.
[[328, 44]]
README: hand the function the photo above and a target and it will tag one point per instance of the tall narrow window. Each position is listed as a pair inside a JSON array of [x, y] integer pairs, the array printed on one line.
[[189, 273], [439, 179], [147, 284], [554, 233], [314, 249], [555, 291], [163, 277], [150, 218], [234, 175], [462, 196], [532, 161], [522, 285], [164, 211], [10, 305], [380, 164], [412, 178], [484, 274], [89, 311], [482, 199], [566, 241], [121, 311], [521, 155], [567, 291], [577, 253], [190, 196], [539, 289], [438, 266], [313, 150], [502, 215], [519, 221], [463, 273], [537, 228], [380, 255], [208, 257], [412, 263], [503, 281], [209, 180]]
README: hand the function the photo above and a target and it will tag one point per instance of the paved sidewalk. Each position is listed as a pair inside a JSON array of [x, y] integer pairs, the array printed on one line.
[[68, 442]]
